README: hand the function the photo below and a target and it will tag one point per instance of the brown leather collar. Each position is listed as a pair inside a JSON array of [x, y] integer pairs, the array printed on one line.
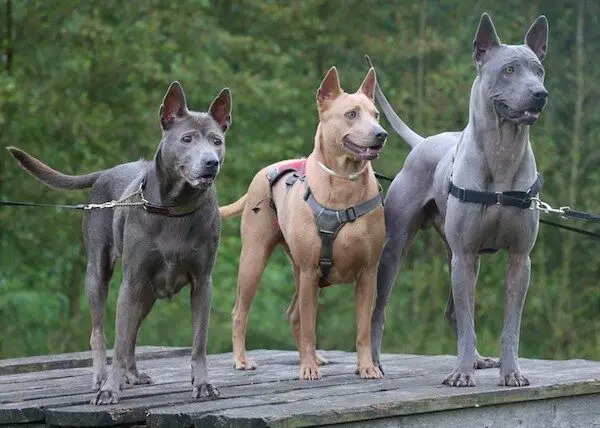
[[167, 210]]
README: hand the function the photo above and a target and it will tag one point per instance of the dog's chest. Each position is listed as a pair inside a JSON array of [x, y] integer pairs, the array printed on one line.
[[176, 262], [170, 253]]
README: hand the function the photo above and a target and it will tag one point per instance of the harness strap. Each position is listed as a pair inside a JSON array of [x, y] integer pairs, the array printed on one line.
[[277, 174], [329, 223], [511, 198]]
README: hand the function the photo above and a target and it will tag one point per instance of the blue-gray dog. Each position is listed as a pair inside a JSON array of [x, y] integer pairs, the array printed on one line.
[[168, 242], [474, 188]]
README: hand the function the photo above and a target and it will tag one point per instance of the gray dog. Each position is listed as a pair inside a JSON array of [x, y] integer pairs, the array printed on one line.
[[474, 187], [168, 242]]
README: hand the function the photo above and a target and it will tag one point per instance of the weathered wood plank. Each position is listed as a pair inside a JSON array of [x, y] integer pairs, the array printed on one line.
[[391, 403], [169, 378], [272, 395], [80, 359], [574, 412]]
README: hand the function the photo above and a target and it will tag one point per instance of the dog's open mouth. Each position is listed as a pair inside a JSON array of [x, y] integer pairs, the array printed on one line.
[[526, 117], [202, 180], [364, 153]]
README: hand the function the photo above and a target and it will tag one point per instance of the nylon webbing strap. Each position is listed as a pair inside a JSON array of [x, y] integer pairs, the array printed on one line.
[[509, 198]]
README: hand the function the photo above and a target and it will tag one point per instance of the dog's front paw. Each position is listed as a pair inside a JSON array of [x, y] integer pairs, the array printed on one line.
[[369, 372], [205, 390], [310, 372], [134, 377], [244, 364], [99, 379], [106, 396], [513, 378], [460, 378]]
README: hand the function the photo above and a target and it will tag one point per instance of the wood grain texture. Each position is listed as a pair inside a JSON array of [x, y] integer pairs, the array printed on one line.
[[411, 394]]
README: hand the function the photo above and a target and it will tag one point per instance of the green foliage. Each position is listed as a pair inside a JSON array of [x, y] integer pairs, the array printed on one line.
[[82, 91]]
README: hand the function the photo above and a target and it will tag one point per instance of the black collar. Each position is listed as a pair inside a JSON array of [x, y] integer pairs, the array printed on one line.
[[167, 210], [511, 198]]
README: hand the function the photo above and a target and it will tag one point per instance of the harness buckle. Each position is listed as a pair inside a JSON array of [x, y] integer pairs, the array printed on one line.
[[351, 214], [462, 194]]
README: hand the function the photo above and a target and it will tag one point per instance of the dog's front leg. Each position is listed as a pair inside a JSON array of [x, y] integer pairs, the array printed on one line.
[[201, 296], [132, 307], [365, 297], [308, 296], [464, 278], [515, 290]]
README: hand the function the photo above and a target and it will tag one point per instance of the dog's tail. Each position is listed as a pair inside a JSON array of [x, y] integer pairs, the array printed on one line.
[[398, 125], [51, 177], [233, 209]]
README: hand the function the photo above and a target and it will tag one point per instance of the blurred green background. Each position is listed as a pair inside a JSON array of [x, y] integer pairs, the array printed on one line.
[[80, 86]]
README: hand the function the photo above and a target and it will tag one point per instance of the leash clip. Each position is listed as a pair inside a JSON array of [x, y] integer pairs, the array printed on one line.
[[539, 205]]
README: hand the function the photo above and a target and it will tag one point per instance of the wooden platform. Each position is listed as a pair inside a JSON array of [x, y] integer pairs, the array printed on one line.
[[55, 390]]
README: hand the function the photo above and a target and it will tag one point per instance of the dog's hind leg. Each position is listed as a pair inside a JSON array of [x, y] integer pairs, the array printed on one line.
[[100, 267], [403, 218], [256, 250], [480, 361], [365, 297]]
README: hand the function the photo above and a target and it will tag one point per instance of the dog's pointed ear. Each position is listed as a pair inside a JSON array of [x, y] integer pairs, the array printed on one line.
[[486, 38], [537, 37], [367, 87], [330, 87], [220, 109], [173, 105]]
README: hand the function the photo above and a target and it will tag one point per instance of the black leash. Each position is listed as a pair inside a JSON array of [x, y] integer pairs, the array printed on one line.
[[570, 228], [31, 204], [383, 177]]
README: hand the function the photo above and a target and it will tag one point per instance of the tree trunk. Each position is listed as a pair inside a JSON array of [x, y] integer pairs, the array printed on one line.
[[563, 293]]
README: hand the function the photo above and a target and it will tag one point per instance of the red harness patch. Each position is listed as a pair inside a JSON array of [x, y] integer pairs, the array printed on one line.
[[298, 164]]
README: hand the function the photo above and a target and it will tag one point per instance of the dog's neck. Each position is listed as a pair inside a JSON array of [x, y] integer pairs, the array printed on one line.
[[507, 157], [338, 192], [165, 187]]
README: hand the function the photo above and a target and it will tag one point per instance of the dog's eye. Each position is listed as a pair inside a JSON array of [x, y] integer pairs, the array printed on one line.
[[217, 141], [376, 115], [187, 139], [351, 114], [509, 70], [540, 72]]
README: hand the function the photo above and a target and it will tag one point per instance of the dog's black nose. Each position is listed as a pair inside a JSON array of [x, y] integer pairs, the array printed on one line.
[[540, 94], [211, 163], [381, 135]]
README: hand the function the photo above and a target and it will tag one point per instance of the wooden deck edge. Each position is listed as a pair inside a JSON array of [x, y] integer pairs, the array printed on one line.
[[393, 409]]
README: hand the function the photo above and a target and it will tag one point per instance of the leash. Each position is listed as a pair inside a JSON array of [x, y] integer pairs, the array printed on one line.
[[566, 212], [111, 204], [383, 177]]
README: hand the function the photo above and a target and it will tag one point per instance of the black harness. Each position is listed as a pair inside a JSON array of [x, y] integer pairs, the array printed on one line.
[[329, 222], [511, 198]]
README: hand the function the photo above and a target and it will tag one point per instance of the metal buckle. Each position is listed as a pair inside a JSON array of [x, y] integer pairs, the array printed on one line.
[[462, 194], [351, 213], [499, 198]]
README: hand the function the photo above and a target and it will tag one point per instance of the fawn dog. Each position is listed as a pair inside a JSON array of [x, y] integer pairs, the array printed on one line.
[[337, 174]]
